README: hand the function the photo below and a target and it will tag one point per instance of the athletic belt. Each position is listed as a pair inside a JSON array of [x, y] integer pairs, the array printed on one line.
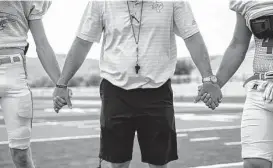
[[260, 76], [7, 60]]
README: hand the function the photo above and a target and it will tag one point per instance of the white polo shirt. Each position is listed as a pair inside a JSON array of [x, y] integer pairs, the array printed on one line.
[[161, 20]]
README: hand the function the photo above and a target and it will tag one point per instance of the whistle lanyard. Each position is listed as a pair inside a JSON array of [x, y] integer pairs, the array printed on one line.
[[137, 67]]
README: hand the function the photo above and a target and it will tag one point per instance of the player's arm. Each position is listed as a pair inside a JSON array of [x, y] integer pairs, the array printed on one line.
[[199, 54], [74, 60], [44, 50], [236, 51]]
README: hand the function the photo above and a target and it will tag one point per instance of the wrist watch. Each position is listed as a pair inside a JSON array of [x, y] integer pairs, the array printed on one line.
[[212, 79]]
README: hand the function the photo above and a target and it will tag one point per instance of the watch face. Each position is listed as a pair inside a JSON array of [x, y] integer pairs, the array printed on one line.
[[214, 79]]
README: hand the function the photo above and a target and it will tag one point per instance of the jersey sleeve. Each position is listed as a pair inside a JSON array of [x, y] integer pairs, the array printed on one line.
[[38, 9]]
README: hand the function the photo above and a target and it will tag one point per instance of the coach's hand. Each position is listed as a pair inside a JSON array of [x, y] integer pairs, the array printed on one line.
[[61, 97]]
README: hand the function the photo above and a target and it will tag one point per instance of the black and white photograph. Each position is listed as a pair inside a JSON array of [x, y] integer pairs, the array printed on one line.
[[136, 83]]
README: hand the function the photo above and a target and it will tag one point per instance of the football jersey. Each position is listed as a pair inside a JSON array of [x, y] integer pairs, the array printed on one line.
[[14, 17], [251, 9]]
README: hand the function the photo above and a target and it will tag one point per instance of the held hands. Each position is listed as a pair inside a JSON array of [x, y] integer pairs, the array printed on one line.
[[210, 94], [268, 92], [61, 97]]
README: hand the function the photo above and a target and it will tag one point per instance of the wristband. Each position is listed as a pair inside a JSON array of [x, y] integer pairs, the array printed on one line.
[[61, 86]]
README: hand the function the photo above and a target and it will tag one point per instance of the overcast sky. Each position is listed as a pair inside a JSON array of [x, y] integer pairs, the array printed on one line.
[[216, 23]]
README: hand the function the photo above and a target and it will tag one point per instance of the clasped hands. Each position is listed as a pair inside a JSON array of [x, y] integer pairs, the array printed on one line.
[[210, 94], [61, 97]]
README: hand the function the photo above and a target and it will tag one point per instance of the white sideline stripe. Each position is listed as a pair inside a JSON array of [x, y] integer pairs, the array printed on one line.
[[70, 138], [68, 123], [95, 122], [4, 143], [204, 139], [179, 131], [232, 143], [223, 105], [74, 110], [59, 139], [89, 126], [208, 129], [227, 165], [181, 135], [64, 123], [208, 117]]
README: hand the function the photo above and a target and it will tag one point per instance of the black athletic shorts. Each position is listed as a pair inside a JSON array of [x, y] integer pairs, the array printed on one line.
[[149, 112]]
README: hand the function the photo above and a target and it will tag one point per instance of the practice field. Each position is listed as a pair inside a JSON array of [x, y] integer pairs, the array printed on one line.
[[206, 139]]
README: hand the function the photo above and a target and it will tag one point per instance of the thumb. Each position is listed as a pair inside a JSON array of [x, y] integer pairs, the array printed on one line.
[[198, 97], [70, 93], [68, 101]]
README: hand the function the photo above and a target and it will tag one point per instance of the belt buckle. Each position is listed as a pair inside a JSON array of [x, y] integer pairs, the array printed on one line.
[[268, 75]]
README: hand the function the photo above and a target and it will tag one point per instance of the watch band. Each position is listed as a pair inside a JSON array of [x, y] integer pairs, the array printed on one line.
[[212, 79], [61, 86]]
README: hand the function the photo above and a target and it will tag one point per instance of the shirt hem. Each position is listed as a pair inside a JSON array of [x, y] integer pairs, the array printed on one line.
[[191, 33], [87, 38]]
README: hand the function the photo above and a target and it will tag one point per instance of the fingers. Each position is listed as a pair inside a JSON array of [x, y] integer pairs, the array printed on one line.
[[213, 106], [206, 97], [69, 104], [70, 93], [56, 109], [219, 100], [267, 92], [200, 93], [209, 101], [58, 103], [216, 103], [197, 98], [270, 95], [270, 98], [199, 88]]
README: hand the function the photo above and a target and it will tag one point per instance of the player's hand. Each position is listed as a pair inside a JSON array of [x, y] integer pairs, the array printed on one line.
[[61, 97], [268, 92], [210, 94]]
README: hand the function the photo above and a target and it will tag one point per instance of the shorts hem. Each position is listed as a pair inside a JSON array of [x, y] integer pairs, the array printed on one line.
[[258, 157], [159, 163], [21, 147], [114, 160]]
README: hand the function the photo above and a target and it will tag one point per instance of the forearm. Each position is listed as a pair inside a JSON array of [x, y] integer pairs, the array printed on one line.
[[235, 53], [199, 54], [48, 60], [231, 62], [74, 60], [44, 50]]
